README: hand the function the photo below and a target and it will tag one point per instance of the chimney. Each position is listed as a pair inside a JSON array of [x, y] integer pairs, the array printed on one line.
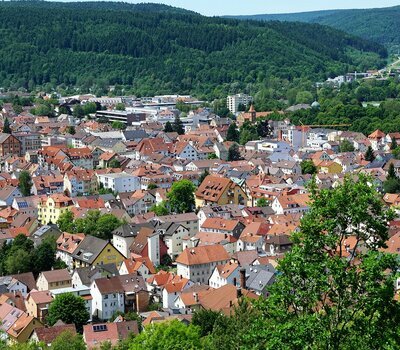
[[243, 278], [239, 292]]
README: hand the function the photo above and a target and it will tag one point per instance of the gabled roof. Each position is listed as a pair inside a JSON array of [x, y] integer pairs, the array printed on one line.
[[48, 334], [202, 255], [56, 275], [89, 249]]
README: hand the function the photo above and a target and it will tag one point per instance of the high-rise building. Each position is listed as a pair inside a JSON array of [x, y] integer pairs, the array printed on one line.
[[233, 101]]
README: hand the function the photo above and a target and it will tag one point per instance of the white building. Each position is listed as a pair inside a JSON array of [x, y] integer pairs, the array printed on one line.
[[119, 182], [233, 101], [197, 264], [224, 274]]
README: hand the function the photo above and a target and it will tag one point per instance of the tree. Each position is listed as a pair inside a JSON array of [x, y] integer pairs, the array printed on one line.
[[177, 126], [206, 320], [78, 111], [369, 154], [7, 127], [346, 146], [393, 144], [89, 108], [114, 163], [152, 186], [118, 125], [120, 106], [234, 153], [212, 156], [44, 257], [68, 308], [308, 167], [160, 209], [203, 175], [106, 224], [181, 196], [66, 221], [335, 281], [18, 262], [25, 183], [71, 130], [262, 202], [168, 127], [391, 185], [391, 172], [168, 336], [233, 133], [68, 341]]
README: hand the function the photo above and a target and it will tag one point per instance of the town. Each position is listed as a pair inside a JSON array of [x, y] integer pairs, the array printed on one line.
[[149, 209]]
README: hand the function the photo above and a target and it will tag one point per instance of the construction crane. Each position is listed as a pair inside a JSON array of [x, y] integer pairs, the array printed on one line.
[[303, 129]]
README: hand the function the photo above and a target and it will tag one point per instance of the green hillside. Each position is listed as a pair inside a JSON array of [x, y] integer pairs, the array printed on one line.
[[381, 25], [161, 49]]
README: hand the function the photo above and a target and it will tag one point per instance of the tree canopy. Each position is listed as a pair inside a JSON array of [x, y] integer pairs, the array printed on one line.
[[68, 308]]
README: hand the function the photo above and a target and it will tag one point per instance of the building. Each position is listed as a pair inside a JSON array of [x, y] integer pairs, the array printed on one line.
[[37, 304], [119, 293], [219, 190], [197, 264], [120, 182], [125, 117], [9, 145], [30, 141], [54, 279], [96, 334], [233, 102], [50, 208], [94, 251]]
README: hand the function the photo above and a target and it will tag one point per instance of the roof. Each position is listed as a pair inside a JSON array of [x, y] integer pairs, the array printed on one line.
[[203, 255], [120, 284], [95, 334], [220, 224], [89, 249], [48, 334], [213, 187], [56, 275], [40, 297]]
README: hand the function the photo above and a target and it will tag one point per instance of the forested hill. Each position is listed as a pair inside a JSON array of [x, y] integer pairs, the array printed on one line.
[[381, 25], [161, 49]]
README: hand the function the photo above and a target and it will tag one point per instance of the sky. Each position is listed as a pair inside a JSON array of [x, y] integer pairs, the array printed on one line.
[[250, 7]]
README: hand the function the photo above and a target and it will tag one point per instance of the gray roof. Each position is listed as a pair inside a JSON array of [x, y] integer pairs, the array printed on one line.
[[89, 249], [134, 135], [88, 274], [260, 277], [130, 230]]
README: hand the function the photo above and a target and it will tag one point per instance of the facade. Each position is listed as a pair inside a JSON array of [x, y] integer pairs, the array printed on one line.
[[233, 102], [120, 182], [9, 145], [50, 208], [197, 264]]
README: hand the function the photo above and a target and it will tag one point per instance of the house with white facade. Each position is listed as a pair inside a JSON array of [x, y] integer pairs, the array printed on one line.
[[119, 182], [197, 264]]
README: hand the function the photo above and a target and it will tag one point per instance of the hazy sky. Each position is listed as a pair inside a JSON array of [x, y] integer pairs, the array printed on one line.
[[248, 7]]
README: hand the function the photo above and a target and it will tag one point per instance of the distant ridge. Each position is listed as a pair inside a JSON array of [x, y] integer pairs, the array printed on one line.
[[157, 49], [381, 25]]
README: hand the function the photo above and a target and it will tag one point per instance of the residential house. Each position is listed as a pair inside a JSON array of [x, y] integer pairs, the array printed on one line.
[[124, 236], [9, 145], [119, 182], [219, 190], [225, 274], [119, 293], [16, 324], [197, 264], [223, 226], [94, 251], [54, 279], [67, 243], [50, 208], [79, 182], [37, 304], [113, 333]]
